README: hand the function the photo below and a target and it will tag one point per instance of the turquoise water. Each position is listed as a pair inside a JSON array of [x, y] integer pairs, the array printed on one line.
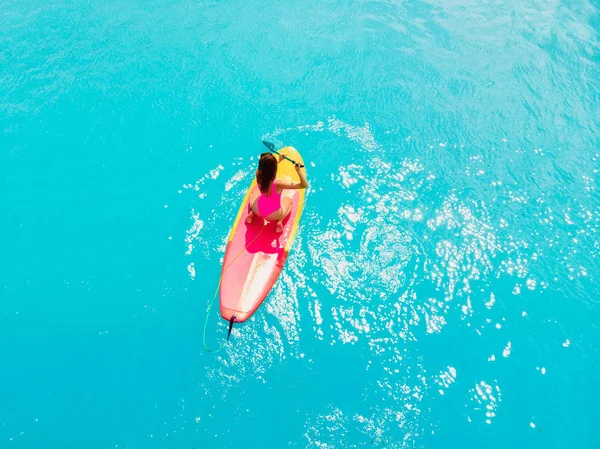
[[443, 288]]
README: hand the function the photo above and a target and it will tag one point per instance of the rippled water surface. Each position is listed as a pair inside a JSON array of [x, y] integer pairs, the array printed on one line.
[[443, 288]]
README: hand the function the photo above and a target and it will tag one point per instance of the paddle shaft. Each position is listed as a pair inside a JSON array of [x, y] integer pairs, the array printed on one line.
[[271, 148], [287, 158]]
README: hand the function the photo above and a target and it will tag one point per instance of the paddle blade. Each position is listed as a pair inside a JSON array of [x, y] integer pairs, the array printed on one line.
[[269, 145]]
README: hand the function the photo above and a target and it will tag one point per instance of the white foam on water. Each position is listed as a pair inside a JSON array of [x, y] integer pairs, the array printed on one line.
[[192, 271], [192, 234], [487, 399]]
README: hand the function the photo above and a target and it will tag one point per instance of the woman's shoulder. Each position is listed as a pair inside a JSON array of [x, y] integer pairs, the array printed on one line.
[[276, 184]]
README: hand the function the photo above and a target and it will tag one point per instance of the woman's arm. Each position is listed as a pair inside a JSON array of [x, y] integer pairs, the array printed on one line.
[[303, 184]]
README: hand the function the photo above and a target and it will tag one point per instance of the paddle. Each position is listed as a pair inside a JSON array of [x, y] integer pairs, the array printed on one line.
[[271, 148]]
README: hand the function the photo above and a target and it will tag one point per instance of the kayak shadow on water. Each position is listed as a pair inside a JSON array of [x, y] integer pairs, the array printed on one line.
[[269, 241]]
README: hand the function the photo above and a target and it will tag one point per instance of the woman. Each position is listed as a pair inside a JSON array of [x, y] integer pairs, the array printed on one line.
[[270, 203]]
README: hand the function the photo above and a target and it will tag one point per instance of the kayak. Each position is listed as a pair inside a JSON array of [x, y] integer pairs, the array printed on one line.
[[255, 253]]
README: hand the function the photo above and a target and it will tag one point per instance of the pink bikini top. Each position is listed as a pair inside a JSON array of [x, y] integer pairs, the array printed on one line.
[[269, 204]]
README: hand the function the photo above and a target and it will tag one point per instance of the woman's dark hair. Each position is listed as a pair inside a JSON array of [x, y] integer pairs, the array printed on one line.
[[267, 170]]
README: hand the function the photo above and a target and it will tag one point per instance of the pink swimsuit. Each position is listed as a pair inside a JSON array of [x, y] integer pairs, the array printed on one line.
[[266, 205]]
